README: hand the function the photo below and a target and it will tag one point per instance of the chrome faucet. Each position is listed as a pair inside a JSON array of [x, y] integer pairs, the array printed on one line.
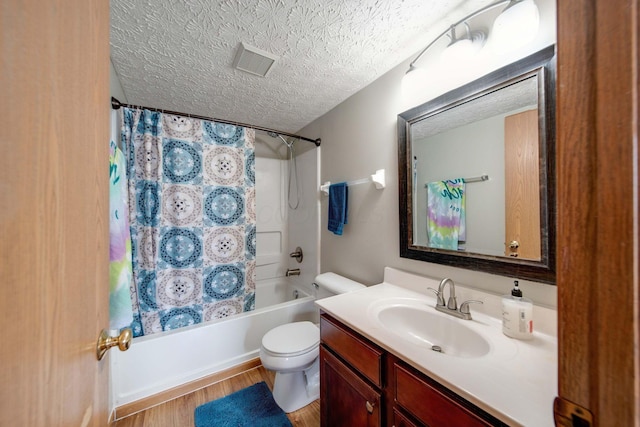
[[292, 272], [451, 307], [452, 304]]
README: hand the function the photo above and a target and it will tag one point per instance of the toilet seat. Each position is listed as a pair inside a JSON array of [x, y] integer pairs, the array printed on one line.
[[291, 339]]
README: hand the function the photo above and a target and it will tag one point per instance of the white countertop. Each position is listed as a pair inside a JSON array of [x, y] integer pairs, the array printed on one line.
[[516, 381]]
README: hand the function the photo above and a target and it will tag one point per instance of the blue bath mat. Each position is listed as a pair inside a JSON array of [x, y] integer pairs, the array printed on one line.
[[250, 407]]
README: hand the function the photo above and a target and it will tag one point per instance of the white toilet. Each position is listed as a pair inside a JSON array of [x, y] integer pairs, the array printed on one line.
[[292, 350]]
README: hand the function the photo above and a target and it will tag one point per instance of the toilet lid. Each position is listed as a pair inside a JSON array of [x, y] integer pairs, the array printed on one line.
[[292, 338]]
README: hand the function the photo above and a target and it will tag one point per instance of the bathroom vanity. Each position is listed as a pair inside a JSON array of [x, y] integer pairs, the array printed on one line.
[[353, 368], [378, 367]]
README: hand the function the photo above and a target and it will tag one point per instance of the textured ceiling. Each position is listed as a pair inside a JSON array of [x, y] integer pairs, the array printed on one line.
[[512, 98], [178, 55]]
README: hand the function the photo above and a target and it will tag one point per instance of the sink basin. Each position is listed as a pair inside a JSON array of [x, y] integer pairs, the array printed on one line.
[[433, 330]]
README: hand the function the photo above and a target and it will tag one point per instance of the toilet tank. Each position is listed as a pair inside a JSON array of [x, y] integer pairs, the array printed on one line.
[[329, 284]]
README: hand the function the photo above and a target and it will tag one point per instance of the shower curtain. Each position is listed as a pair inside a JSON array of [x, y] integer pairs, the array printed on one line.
[[192, 219]]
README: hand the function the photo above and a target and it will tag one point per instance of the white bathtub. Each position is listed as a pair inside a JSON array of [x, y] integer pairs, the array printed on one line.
[[156, 363]]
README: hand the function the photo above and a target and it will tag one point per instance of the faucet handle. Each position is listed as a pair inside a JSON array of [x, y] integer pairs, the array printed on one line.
[[439, 296], [464, 307]]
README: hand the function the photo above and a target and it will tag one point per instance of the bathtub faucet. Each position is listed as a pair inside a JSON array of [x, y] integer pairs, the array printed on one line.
[[292, 272]]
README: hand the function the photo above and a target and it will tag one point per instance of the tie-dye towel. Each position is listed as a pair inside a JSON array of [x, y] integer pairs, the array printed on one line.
[[446, 213], [120, 268]]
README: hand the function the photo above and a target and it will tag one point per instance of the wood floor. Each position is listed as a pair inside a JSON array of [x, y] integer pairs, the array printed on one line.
[[179, 412]]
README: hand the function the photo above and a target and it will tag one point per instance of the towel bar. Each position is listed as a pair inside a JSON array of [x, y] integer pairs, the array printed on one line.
[[378, 179], [480, 178]]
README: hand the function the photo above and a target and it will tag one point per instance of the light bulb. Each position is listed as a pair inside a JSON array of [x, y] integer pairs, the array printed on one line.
[[463, 49], [459, 51], [516, 26]]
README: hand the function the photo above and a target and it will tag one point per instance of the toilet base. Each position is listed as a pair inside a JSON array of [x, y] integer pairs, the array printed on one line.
[[295, 390]]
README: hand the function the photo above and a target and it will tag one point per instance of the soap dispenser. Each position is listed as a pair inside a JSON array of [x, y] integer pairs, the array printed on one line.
[[517, 314]]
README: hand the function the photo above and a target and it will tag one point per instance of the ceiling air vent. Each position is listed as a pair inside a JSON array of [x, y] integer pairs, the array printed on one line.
[[253, 60]]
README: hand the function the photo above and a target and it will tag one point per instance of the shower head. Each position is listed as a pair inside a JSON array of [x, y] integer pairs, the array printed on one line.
[[277, 135]]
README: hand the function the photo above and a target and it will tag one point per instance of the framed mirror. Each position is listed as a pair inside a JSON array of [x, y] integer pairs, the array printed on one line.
[[476, 173]]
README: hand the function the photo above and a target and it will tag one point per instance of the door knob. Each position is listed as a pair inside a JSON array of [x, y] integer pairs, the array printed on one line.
[[105, 342], [514, 245]]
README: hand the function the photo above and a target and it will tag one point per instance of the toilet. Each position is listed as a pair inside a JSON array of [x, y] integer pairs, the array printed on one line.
[[291, 350]]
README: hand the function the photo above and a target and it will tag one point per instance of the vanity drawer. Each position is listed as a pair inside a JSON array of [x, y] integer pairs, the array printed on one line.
[[432, 406], [362, 355], [399, 420]]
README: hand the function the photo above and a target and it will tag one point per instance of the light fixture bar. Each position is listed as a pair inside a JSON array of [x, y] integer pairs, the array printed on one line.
[[473, 15]]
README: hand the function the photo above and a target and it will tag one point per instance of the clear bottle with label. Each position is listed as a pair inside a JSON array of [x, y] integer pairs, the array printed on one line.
[[517, 314]]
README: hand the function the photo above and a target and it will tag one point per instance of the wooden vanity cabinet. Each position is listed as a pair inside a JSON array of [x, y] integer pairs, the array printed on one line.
[[363, 385], [351, 369], [350, 401]]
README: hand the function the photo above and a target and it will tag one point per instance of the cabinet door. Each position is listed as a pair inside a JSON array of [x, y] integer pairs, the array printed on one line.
[[345, 399]]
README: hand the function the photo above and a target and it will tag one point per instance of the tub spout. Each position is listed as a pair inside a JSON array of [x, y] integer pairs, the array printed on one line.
[[292, 272]]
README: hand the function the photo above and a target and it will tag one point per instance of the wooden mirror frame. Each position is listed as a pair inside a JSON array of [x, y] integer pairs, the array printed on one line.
[[542, 65]]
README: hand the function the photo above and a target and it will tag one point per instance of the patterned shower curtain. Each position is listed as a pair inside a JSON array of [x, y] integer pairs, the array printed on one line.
[[193, 219]]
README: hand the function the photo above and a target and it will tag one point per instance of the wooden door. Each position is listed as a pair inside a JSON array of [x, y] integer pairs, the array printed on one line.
[[54, 246], [598, 218], [522, 185]]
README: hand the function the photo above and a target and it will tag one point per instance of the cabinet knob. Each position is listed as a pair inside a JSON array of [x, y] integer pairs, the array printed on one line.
[[369, 407]]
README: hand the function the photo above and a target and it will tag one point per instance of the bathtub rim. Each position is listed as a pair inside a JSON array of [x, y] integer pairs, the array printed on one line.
[[301, 299]]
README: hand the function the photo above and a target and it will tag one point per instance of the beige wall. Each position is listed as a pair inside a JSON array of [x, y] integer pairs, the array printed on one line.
[[114, 85], [359, 137]]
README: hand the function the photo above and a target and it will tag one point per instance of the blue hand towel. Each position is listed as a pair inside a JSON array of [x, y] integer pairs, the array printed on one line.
[[338, 197]]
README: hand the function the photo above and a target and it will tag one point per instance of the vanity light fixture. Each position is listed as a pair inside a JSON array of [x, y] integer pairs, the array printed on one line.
[[460, 48], [516, 25]]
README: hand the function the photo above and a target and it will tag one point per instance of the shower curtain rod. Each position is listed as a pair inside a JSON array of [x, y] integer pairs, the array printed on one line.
[[115, 104]]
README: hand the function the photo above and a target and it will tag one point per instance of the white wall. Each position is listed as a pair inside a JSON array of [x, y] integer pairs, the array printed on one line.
[[359, 136]]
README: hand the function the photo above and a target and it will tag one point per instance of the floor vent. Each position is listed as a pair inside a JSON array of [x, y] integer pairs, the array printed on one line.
[[253, 60]]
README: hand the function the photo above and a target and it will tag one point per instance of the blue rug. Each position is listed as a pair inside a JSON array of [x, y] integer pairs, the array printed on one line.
[[250, 407]]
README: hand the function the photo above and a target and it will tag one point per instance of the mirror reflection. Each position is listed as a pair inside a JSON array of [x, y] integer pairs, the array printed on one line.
[[476, 173]]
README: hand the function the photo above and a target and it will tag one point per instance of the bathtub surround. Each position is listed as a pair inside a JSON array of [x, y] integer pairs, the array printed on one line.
[[192, 213]]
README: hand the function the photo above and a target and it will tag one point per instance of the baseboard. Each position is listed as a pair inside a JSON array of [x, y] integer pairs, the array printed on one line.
[[175, 392]]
